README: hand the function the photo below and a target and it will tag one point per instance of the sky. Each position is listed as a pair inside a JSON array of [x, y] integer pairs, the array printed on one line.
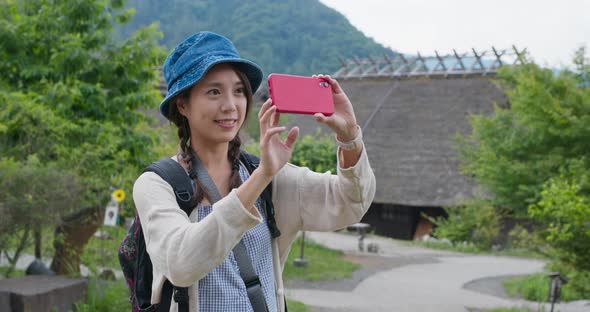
[[550, 30]]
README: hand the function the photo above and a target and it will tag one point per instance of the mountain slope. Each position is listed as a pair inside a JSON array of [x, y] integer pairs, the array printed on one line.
[[287, 36]]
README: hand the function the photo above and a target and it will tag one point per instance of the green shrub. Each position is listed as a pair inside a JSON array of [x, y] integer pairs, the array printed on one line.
[[536, 287], [531, 287], [529, 243], [565, 213], [578, 286], [105, 296], [477, 222], [102, 252]]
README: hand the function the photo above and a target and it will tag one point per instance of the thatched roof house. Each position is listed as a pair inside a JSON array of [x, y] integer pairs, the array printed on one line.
[[410, 119]]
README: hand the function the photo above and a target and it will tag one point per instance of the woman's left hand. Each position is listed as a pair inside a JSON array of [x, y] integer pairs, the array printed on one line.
[[343, 121]]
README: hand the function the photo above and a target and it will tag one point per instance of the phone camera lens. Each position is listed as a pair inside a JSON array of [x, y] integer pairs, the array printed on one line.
[[324, 84]]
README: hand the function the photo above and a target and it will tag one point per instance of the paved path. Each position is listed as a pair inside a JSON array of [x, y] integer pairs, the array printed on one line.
[[435, 285]]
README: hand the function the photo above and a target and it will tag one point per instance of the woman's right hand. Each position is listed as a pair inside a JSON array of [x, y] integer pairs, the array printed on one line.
[[274, 153]]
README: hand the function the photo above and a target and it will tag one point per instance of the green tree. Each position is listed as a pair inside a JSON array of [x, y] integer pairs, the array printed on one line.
[[70, 95], [27, 203], [544, 132], [566, 215], [316, 152]]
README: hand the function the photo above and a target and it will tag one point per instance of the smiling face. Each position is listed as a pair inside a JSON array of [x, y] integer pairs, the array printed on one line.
[[216, 106]]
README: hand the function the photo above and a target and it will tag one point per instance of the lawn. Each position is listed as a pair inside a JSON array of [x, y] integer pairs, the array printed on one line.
[[323, 263]]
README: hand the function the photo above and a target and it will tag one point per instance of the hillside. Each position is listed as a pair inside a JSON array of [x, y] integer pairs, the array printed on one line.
[[288, 36]]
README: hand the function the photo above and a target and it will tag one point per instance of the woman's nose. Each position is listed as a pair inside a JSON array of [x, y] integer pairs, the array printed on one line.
[[229, 104]]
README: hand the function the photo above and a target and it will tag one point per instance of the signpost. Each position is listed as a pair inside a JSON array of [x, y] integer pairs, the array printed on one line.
[[112, 210]]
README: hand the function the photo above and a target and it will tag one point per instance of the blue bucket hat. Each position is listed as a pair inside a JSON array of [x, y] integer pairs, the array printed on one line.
[[188, 63]]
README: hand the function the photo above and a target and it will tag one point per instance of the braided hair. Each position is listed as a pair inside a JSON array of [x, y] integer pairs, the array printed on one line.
[[187, 153]]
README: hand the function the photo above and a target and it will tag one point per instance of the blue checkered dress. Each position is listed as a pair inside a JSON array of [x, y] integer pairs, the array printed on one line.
[[223, 289]]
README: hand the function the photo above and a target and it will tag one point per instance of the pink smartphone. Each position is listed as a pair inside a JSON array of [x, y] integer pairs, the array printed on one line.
[[300, 95]]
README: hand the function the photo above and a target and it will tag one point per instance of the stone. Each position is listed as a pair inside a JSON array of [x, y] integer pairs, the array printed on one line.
[[373, 248], [41, 293], [108, 275]]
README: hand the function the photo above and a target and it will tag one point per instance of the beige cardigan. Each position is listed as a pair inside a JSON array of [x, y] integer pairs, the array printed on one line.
[[184, 250]]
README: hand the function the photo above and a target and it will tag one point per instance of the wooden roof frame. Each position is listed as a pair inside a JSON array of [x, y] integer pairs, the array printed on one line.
[[399, 66]]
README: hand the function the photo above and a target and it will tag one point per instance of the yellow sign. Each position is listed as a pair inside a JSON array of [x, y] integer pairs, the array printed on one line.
[[118, 195]]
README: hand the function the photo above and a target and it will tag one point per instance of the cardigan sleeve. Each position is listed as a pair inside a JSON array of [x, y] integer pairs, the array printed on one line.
[[182, 250], [312, 201]]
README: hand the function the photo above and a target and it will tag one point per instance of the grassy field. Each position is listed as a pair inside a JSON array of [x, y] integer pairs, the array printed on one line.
[[324, 263], [296, 306], [15, 272]]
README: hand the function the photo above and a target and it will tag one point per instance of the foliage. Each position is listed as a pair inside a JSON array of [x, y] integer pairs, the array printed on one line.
[[105, 296], [296, 37], [324, 263], [102, 251], [543, 132], [33, 195], [578, 286], [316, 152], [13, 273], [477, 222], [535, 287], [26, 196], [522, 240], [70, 96], [566, 215]]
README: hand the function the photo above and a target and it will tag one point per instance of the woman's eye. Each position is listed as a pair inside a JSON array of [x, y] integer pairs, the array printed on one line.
[[213, 92], [241, 90]]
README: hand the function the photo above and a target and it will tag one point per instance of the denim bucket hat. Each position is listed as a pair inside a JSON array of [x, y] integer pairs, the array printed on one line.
[[188, 63]]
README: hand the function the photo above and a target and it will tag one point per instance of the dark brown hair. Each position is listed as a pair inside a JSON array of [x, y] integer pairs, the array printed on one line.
[[187, 153]]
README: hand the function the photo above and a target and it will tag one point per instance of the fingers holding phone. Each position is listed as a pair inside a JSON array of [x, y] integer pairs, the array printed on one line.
[[343, 121]]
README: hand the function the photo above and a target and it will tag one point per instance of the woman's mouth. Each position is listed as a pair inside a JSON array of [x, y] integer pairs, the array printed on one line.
[[226, 123]]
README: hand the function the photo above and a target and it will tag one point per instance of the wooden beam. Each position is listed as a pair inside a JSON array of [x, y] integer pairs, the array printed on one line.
[[478, 60], [342, 62], [440, 62], [498, 56], [459, 61], [422, 66], [520, 56]]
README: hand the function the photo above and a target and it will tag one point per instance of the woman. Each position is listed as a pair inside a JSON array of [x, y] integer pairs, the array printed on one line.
[[209, 95]]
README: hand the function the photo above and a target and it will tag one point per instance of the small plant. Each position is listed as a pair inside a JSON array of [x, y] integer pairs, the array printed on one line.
[[105, 296], [536, 287], [532, 287], [476, 222]]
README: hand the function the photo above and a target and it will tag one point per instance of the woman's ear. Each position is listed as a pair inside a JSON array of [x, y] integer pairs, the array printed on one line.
[[181, 106]]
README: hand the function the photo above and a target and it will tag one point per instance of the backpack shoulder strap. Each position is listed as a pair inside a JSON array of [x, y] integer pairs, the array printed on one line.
[[173, 173], [251, 162]]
